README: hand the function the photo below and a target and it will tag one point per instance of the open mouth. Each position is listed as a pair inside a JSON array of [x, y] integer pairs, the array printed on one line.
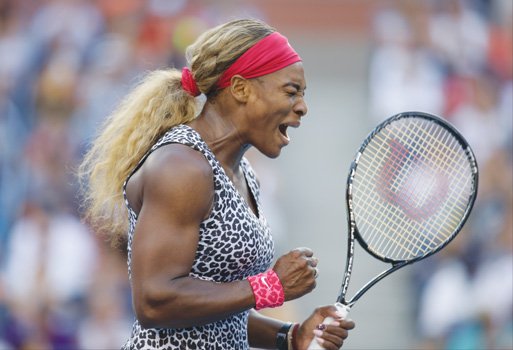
[[283, 130]]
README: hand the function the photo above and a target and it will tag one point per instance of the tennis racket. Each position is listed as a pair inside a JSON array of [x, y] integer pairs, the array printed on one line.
[[410, 189]]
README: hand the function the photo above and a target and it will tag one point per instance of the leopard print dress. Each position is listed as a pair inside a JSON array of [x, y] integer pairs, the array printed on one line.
[[234, 244]]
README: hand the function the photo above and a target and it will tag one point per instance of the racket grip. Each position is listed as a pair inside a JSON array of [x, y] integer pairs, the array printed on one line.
[[343, 310]]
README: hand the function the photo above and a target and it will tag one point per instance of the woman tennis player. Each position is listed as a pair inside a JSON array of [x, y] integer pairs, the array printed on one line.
[[200, 251]]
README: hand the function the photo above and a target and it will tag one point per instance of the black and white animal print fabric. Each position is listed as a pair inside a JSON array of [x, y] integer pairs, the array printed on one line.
[[234, 244]]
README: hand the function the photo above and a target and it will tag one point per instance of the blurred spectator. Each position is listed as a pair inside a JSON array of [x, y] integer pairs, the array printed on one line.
[[477, 117], [459, 35], [67, 25], [104, 79], [403, 74], [14, 125], [50, 259], [107, 323]]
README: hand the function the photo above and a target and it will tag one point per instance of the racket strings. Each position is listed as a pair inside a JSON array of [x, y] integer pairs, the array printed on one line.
[[423, 181], [416, 239], [388, 241], [425, 192], [404, 222], [434, 141]]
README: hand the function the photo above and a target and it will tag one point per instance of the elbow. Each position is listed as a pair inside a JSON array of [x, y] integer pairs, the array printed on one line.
[[147, 316], [151, 310]]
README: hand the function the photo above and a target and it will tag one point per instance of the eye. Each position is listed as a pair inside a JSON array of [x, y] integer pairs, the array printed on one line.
[[294, 90]]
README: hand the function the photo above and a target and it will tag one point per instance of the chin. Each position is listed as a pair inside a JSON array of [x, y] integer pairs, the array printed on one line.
[[270, 149], [274, 154]]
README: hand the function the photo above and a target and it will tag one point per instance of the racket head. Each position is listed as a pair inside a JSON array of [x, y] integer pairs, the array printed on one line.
[[411, 187]]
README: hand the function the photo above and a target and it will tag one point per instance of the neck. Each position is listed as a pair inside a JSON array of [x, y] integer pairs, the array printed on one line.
[[220, 132]]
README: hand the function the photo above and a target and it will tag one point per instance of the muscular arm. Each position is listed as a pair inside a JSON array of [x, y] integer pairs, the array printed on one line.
[[177, 193]]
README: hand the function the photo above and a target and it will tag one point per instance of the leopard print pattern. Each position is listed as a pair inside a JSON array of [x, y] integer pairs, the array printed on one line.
[[234, 244]]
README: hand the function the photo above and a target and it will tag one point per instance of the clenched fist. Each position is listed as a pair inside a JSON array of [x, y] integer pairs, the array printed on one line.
[[297, 272]]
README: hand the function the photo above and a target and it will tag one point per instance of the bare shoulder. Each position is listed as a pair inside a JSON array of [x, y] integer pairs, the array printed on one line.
[[179, 177], [176, 161]]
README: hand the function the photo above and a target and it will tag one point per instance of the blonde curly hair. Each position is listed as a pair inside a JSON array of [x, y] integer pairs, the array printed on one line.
[[155, 105]]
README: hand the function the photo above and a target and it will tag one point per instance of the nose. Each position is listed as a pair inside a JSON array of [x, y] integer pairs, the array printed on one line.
[[301, 108]]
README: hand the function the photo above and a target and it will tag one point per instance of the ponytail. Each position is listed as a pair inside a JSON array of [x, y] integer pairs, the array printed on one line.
[[154, 106]]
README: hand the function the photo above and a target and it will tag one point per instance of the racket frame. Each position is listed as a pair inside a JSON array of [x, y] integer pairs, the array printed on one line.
[[353, 229]]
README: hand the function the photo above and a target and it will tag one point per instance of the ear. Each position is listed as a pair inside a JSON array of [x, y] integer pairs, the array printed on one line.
[[240, 88]]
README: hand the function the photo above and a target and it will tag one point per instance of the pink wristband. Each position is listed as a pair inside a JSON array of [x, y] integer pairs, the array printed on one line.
[[267, 290]]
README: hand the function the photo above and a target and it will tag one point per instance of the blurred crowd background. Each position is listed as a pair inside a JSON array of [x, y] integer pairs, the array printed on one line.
[[64, 64]]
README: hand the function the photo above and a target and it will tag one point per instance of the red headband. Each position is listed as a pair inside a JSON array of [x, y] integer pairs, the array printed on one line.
[[269, 55]]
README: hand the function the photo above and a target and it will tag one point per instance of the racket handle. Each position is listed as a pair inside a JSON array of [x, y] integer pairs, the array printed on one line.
[[343, 310]]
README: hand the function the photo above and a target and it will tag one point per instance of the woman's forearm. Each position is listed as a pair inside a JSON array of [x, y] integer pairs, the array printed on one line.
[[262, 330], [187, 301]]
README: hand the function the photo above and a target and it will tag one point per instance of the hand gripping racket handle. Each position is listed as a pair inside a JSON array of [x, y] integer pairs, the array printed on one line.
[[343, 310]]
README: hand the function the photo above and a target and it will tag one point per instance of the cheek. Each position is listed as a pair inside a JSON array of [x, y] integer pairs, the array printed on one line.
[[280, 110], [272, 111]]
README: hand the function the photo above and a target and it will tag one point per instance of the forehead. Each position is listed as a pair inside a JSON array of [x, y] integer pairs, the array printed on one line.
[[290, 74]]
